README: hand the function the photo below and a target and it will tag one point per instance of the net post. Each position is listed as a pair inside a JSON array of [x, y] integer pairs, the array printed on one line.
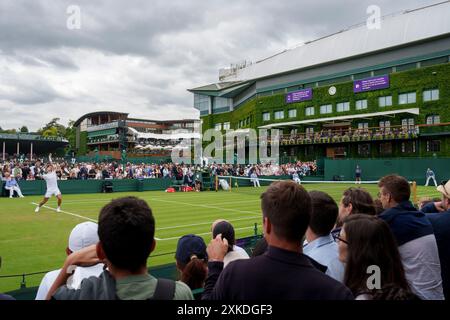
[[23, 284], [216, 182], [414, 191], [231, 182]]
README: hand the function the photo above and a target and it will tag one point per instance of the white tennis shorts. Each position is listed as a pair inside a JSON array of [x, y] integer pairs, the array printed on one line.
[[51, 193]]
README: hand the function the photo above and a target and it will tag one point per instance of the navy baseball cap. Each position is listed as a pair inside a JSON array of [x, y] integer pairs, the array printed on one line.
[[188, 246]]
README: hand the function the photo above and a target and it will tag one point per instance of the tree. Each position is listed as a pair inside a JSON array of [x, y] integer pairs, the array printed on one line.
[[70, 135], [53, 128], [7, 130], [24, 129], [50, 132]]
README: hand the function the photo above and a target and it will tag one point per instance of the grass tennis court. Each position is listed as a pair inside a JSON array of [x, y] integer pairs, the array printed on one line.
[[31, 242]]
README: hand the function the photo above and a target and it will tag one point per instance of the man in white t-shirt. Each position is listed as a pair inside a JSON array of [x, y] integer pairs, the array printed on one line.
[[52, 188], [254, 178], [296, 177], [82, 236]]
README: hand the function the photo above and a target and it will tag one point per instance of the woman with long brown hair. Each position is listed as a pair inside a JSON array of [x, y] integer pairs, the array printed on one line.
[[373, 267]]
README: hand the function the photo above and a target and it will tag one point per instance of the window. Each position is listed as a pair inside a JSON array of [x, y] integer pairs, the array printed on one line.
[[409, 147], [433, 119], [431, 95], [362, 75], [404, 67], [386, 148], [382, 72], [363, 126], [406, 98], [361, 104], [385, 101], [326, 108], [226, 126], [279, 115], [343, 106], [385, 125], [309, 111], [407, 123], [310, 130], [433, 146], [266, 116], [294, 88], [221, 104], [218, 126], [292, 113], [202, 103], [432, 62], [364, 150], [309, 151], [247, 121]]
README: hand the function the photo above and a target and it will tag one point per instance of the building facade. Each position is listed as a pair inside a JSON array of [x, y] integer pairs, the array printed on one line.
[[109, 133], [359, 93]]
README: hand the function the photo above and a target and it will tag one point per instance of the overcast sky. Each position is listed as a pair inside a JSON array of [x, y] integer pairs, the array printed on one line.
[[140, 56]]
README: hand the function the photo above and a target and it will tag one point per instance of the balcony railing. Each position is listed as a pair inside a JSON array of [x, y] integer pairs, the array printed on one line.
[[30, 137], [352, 135]]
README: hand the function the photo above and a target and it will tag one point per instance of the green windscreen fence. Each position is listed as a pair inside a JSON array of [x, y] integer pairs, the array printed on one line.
[[414, 169], [38, 187]]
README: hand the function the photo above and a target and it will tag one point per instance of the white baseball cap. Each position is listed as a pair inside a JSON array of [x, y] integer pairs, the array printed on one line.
[[83, 235], [445, 189]]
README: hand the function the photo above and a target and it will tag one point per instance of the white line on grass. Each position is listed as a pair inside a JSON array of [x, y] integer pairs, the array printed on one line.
[[204, 223], [200, 234], [204, 206], [66, 212], [75, 215]]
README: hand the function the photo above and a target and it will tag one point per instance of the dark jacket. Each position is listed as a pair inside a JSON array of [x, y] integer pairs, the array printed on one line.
[[429, 208], [277, 274], [441, 227], [406, 222], [6, 297]]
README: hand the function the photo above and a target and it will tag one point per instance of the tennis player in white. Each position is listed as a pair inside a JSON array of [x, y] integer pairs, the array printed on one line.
[[52, 188]]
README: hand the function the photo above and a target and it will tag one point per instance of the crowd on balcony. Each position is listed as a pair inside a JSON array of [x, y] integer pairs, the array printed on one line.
[[327, 136]]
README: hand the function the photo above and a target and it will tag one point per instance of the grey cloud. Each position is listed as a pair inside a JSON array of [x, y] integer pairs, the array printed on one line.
[[179, 44]]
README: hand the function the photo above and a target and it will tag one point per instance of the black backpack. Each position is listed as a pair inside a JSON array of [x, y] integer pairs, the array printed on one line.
[[165, 290]]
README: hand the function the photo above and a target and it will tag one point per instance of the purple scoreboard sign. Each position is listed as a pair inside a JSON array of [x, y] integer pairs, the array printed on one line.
[[297, 96], [369, 84]]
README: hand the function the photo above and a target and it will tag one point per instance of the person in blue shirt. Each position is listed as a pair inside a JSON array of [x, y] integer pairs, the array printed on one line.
[[320, 244], [12, 185], [414, 236], [441, 226], [358, 175], [430, 176]]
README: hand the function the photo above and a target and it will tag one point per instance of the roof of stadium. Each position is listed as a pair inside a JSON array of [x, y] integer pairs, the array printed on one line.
[[97, 113], [396, 30]]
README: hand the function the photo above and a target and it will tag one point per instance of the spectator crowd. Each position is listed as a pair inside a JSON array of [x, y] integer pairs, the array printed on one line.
[[26, 170]]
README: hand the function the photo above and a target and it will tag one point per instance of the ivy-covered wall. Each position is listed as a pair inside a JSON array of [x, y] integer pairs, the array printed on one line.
[[416, 80]]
